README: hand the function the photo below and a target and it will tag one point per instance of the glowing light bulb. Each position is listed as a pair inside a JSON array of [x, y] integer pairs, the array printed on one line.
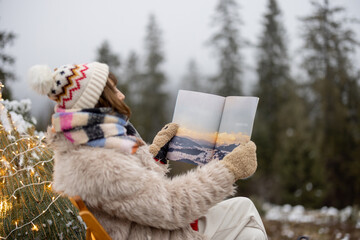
[[35, 228], [4, 207]]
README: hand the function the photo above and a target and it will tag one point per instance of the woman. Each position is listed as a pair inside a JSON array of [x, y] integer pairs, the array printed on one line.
[[100, 157]]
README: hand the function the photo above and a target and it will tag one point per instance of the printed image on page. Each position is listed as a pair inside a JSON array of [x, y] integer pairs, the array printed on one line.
[[236, 124], [198, 116]]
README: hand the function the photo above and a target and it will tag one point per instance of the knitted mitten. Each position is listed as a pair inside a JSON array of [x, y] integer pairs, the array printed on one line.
[[163, 137], [242, 160]]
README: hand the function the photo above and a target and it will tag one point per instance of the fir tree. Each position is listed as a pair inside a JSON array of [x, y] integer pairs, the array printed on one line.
[[133, 86], [273, 78], [192, 80], [106, 55], [299, 177], [153, 112], [29, 209], [227, 44], [6, 60], [334, 84], [281, 131]]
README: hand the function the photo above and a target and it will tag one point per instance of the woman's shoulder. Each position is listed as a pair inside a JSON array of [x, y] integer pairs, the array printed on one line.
[[81, 154]]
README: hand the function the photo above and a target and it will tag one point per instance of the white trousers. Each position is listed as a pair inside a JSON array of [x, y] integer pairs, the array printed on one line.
[[235, 218]]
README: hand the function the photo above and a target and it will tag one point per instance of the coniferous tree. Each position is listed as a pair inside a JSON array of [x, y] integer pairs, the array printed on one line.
[[227, 44], [281, 131], [133, 86], [334, 86], [29, 209], [192, 80], [153, 112], [106, 55], [273, 75], [6, 60], [298, 175]]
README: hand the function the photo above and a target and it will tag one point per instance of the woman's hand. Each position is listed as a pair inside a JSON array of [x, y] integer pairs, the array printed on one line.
[[163, 137], [242, 160]]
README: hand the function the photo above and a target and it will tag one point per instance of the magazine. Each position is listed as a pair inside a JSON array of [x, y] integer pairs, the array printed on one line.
[[210, 126]]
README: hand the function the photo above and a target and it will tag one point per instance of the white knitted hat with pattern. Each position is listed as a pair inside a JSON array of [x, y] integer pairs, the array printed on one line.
[[71, 86]]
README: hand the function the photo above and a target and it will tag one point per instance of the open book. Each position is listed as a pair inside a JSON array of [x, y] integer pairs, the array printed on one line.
[[210, 126]]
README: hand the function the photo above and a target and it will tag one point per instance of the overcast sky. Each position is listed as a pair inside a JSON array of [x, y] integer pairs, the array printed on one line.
[[69, 31]]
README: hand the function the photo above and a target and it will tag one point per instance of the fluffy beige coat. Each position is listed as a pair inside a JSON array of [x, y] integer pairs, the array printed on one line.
[[131, 196]]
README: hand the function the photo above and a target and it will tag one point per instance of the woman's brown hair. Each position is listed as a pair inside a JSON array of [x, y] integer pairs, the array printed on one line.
[[109, 98]]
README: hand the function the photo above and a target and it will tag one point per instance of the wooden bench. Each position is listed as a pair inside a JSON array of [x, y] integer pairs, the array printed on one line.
[[94, 229]]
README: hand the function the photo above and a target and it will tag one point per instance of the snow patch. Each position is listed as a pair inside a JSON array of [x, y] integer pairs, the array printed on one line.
[[17, 110], [19, 123], [4, 119], [288, 213], [69, 223]]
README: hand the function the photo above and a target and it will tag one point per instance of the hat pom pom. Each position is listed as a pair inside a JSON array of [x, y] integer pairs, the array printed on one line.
[[40, 79]]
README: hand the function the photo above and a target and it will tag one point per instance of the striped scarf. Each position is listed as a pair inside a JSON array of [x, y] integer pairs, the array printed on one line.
[[96, 127]]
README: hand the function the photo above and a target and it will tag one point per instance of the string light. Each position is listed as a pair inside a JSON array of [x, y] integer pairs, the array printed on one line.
[[34, 228], [5, 206], [38, 146], [27, 169], [17, 149], [7, 163], [25, 186], [25, 162], [32, 220], [1, 86]]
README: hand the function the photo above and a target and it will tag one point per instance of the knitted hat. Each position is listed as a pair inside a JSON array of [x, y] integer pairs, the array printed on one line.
[[71, 86]]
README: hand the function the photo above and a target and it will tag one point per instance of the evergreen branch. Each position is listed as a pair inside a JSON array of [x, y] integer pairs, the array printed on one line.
[[31, 221], [21, 153], [28, 185], [29, 167]]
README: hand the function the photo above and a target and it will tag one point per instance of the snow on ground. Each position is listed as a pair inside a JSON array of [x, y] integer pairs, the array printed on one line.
[[299, 214]]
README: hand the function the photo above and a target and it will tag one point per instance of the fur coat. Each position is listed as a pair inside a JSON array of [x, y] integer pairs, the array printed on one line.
[[131, 196]]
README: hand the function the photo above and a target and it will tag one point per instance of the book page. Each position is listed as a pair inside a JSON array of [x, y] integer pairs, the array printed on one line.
[[198, 115], [236, 124]]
